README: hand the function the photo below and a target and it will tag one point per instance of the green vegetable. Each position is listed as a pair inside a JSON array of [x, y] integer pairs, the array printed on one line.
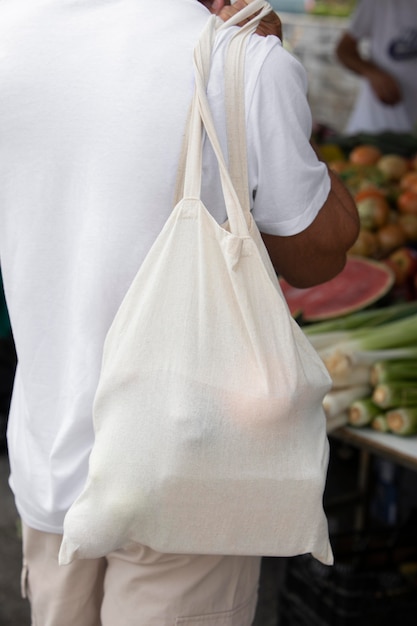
[[358, 375], [387, 371], [334, 402], [321, 341], [395, 394], [362, 412], [368, 317], [394, 340], [403, 421], [343, 367], [380, 424], [395, 334]]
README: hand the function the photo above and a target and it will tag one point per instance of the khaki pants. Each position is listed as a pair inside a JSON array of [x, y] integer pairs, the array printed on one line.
[[136, 587]]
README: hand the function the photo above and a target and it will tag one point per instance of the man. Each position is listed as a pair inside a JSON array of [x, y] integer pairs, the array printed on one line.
[[93, 104], [387, 67]]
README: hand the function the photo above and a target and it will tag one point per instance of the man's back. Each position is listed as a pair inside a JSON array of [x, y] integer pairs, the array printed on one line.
[[93, 104], [86, 103]]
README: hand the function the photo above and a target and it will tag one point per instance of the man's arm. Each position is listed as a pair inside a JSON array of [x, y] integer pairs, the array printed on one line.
[[383, 84], [318, 253]]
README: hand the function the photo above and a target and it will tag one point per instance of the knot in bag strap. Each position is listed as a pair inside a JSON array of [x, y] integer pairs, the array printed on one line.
[[190, 181], [262, 7]]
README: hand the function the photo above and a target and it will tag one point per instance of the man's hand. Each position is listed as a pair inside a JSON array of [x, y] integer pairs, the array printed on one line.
[[385, 87], [270, 25]]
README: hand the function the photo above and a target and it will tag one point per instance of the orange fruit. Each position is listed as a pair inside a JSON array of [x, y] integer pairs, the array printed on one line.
[[407, 202], [368, 192], [338, 166], [366, 244], [393, 166], [390, 237], [409, 181], [413, 162], [365, 154], [413, 186], [373, 212], [408, 222]]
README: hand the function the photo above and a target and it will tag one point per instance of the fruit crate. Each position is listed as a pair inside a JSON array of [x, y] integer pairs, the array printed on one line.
[[373, 581]]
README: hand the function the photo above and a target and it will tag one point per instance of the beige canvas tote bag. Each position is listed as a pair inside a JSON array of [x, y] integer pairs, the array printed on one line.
[[210, 437]]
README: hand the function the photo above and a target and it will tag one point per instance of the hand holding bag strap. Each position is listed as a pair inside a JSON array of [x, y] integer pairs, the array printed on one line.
[[236, 133], [202, 60], [235, 104], [201, 114], [235, 96], [248, 13], [238, 221]]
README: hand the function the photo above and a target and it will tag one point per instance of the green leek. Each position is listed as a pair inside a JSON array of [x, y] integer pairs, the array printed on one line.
[[362, 412], [380, 423], [335, 402], [325, 340], [359, 375], [403, 421], [394, 340], [368, 317], [387, 371], [395, 394]]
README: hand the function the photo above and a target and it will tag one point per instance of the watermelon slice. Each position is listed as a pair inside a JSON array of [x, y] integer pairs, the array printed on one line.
[[361, 283]]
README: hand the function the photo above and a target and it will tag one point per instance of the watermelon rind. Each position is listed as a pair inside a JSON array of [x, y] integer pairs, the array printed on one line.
[[361, 283]]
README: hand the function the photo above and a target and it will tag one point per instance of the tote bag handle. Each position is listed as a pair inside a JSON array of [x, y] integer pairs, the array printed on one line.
[[235, 97], [189, 176]]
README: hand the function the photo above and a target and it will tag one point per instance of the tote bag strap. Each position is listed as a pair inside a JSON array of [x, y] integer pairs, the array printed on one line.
[[234, 95], [236, 117], [201, 119], [238, 222]]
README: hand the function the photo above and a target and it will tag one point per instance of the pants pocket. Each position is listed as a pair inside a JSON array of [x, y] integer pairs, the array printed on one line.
[[240, 616], [24, 583]]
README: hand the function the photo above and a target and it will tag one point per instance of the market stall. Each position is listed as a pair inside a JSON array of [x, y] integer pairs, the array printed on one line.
[[311, 36], [364, 325], [381, 173], [372, 580]]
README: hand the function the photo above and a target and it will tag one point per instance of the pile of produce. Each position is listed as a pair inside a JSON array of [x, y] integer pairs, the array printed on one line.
[[386, 197], [381, 174], [367, 339], [371, 356], [363, 323]]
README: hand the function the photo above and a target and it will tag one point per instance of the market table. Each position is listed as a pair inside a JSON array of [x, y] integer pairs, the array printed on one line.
[[399, 450]]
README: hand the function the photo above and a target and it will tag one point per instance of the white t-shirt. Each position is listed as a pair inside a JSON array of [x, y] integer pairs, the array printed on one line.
[[390, 28], [93, 101]]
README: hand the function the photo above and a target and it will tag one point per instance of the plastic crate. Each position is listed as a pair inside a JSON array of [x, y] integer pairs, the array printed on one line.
[[373, 581]]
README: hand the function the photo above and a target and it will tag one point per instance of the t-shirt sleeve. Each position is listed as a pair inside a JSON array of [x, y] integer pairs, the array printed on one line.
[[290, 184], [360, 24]]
